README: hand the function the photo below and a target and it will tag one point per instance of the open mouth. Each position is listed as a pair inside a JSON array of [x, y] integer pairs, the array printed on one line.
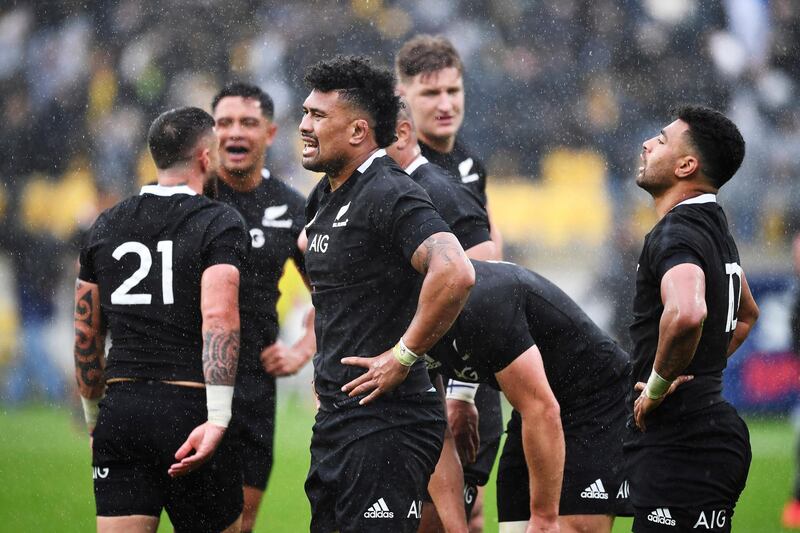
[[236, 153], [309, 146]]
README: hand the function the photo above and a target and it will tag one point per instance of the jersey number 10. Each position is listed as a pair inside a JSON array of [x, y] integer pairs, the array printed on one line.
[[122, 295]]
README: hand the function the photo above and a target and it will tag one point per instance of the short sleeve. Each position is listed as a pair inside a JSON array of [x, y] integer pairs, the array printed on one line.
[[228, 242], [508, 338], [408, 218], [86, 258], [673, 244]]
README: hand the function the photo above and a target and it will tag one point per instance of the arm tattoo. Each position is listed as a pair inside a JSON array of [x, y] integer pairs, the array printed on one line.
[[440, 247], [220, 355], [89, 337]]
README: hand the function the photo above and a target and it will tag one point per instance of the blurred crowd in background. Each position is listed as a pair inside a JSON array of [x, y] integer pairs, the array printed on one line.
[[560, 94]]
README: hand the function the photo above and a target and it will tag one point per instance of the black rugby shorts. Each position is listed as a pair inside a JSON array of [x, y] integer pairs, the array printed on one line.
[[253, 426]]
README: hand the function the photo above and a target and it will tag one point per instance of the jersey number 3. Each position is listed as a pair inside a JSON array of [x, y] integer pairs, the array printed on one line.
[[122, 295]]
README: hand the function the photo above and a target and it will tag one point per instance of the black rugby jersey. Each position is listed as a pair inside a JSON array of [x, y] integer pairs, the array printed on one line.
[[147, 255], [461, 164], [274, 213], [509, 310], [461, 209], [694, 231], [361, 238]]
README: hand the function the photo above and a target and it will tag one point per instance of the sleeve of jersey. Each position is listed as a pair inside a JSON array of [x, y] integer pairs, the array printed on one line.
[[675, 244], [461, 214], [87, 271], [504, 338], [299, 221], [229, 243], [409, 219]]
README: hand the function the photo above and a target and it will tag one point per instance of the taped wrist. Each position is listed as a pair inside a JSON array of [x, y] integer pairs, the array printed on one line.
[[657, 386], [219, 399], [405, 356], [91, 408], [461, 390]]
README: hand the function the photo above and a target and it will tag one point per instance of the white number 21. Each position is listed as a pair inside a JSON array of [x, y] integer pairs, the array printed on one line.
[[122, 295]]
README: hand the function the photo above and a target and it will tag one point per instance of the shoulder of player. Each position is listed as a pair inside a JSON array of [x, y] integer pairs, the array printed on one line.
[[385, 177], [284, 191]]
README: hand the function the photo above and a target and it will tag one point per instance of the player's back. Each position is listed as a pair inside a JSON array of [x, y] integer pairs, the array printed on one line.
[[147, 254]]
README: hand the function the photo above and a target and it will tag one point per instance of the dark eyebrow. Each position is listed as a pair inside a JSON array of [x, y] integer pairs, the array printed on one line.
[[665, 135], [314, 110]]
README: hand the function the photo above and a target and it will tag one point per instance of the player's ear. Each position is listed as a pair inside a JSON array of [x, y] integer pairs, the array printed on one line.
[[272, 129], [403, 134], [360, 130], [687, 166], [400, 89]]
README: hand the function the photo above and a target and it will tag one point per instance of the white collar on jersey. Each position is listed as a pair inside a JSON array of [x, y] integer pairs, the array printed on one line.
[[415, 164], [265, 173], [707, 198], [161, 190], [365, 165]]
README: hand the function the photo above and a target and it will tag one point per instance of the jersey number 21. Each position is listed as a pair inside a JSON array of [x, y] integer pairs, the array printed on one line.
[[123, 296]]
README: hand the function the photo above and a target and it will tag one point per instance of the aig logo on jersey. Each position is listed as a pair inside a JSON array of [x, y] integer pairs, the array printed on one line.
[[342, 210], [319, 243], [711, 520]]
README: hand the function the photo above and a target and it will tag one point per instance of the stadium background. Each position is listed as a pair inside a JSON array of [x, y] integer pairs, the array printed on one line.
[[560, 94]]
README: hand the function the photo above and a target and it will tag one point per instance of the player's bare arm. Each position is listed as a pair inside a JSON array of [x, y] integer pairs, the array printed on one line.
[[449, 276], [745, 318], [683, 290], [525, 385], [89, 352], [219, 305]]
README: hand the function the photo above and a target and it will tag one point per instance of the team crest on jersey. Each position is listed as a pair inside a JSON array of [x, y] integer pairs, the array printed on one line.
[[272, 215], [465, 169], [337, 223]]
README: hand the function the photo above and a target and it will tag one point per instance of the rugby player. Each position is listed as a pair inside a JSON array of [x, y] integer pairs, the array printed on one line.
[[160, 271], [387, 277], [430, 73], [687, 454], [520, 333], [274, 214]]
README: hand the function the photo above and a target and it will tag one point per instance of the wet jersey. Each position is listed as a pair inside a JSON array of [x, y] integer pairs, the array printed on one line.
[[274, 214], [695, 231], [361, 238], [461, 164], [509, 310], [461, 209], [147, 255]]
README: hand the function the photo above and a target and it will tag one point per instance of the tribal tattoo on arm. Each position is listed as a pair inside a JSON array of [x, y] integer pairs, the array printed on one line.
[[90, 335], [220, 355], [442, 245]]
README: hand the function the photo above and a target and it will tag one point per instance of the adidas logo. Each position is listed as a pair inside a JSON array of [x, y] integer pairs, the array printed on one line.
[[595, 491], [661, 516], [378, 510]]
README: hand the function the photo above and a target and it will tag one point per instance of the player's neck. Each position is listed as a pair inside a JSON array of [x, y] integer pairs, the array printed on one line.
[[339, 177], [245, 182], [443, 145], [673, 196], [413, 153], [173, 177]]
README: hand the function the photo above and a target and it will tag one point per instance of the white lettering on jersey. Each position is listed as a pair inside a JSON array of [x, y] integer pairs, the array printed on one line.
[[98, 472], [716, 520], [415, 510], [271, 215], [342, 211], [319, 244], [257, 237], [464, 169], [122, 295], [734, 293]]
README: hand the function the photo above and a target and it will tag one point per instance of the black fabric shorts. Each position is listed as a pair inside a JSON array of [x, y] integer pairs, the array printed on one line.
[[140, 427], [253, 426], [593, 468], [370, 465], [490, 429], [695, 479]]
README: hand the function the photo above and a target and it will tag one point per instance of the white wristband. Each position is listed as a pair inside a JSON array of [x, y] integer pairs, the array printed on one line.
[[403, 355], [219, 399], [657, 386], [461, 390], [91, 408]]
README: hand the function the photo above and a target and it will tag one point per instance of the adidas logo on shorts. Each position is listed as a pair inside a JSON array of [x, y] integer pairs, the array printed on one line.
[[661, 516], [379, 509], [595, 491]]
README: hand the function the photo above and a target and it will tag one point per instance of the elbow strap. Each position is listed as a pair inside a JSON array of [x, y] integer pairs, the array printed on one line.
[[219, 399]]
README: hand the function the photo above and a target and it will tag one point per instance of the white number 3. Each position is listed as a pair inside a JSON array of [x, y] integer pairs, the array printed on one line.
[[122, 295]]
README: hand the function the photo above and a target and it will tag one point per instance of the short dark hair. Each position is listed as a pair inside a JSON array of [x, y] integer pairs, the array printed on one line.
[[718, 141], [246, 90], [425, 54], [175, 133], [366, 86]]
